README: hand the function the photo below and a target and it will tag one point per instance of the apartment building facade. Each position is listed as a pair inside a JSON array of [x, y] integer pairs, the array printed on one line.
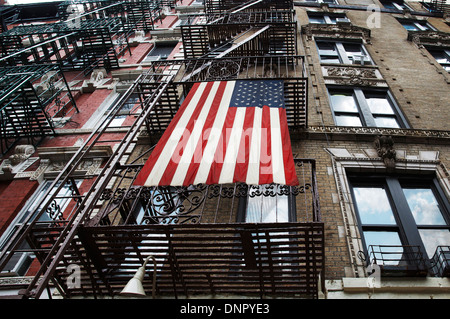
[[109, 119]]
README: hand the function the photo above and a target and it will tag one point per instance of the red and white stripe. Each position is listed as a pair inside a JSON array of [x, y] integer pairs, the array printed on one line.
[[210, 142]]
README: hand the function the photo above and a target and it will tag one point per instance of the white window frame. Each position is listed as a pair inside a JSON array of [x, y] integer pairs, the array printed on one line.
[[365, 58], [418, 25], [327, 17], [365, 114]]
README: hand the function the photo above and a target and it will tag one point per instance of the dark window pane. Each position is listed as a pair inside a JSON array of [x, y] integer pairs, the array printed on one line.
[[410, 26]]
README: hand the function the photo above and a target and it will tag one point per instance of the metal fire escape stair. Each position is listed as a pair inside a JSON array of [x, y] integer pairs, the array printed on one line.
[[21, 115], [63, 239]]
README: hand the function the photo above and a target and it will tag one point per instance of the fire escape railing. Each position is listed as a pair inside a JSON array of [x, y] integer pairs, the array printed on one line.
[[31, 99]]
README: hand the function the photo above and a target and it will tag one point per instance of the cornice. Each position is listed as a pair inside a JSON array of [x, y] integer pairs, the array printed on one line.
[[431, 38], [368, 133], [341, 30]]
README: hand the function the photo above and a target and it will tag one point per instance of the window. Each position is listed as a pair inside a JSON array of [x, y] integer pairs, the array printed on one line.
[[442, 56], [322, 1], [18, 264], [364, 107], [400, 213], [342, 52], [259, 207], [394, 5], [160, 51], [126, 110], [327, 18], [415, 25], [262, 206]]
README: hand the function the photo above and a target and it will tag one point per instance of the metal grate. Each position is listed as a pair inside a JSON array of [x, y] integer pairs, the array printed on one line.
[[254, 259], [441, 261], [398, 260]]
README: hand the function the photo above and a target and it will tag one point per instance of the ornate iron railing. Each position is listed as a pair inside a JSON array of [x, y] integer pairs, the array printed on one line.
[[125, 204]]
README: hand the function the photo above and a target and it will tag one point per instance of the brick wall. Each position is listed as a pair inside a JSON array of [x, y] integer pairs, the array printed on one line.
[[13, 198]]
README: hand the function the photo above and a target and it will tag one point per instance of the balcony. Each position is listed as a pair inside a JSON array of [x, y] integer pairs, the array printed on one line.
[[187, 72], [199, 238], [441, 261], [398, 261], [255, 33]]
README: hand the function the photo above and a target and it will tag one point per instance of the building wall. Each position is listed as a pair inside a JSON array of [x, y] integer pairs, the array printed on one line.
[[420, 87]]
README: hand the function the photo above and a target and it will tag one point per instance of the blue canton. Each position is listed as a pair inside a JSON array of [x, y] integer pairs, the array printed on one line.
[[257, 93]]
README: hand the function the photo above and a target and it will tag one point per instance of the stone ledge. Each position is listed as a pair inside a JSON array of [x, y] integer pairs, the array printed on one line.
[[406, 285]]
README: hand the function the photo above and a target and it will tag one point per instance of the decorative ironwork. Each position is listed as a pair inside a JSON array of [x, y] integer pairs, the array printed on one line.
[[223, 70], [171, 205], [54, 211], [203, 203]]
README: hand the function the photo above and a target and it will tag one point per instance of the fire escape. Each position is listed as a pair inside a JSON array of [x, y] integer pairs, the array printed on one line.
[[34, 91], [437, 6], [200, 242]]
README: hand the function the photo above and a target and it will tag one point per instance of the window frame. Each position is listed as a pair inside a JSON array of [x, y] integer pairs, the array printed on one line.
[[398, 5], [162, 45], [29, 210], [421, 25], [445, 51], [327, 16], [241, 216], [366, 116], [342, 52], [406, 226]]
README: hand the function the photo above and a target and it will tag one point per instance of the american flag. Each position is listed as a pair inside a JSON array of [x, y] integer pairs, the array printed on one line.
[[225, 132]]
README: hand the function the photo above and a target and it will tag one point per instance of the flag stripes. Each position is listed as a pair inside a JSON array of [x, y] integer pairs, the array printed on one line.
[[220, 137]]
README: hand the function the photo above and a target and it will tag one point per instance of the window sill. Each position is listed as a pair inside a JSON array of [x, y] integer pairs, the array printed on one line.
[[398, 285]]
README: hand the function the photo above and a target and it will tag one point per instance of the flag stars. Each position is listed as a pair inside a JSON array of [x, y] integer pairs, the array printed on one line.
[[258, 93]]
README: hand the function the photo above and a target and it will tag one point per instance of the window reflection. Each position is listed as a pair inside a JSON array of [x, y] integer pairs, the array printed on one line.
[[390, 251], [424, 206], [343, 102], [434, 237], [386, 122], [373, 206]]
